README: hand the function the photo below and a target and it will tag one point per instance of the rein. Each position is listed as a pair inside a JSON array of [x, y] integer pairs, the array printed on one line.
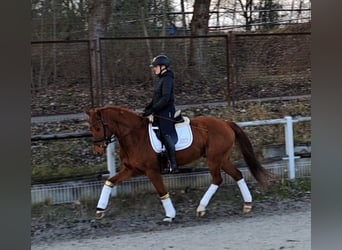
[[173, 120], [164, 118]]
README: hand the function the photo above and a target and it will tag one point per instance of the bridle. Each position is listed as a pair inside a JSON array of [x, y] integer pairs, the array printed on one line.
[[105, 139]]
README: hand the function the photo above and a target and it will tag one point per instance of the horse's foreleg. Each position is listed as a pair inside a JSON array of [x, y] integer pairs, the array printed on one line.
[[170, 211], [104, 198], [158, 184], [102, 204]]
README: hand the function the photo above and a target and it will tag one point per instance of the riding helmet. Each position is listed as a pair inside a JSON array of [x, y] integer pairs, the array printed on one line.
[[160, 60]]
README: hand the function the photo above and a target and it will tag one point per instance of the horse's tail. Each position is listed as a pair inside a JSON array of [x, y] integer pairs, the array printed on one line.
[[246, 148]]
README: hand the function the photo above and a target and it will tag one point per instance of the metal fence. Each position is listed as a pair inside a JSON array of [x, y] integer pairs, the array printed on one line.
[[268, 65], [60, 77], [67, 192], [233, 67], [289, 167]]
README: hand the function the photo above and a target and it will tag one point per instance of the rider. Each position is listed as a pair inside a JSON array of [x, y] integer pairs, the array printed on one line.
[[163, 108]]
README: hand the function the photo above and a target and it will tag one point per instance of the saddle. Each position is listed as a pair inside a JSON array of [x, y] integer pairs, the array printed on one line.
[[178, 118], [184, 134]]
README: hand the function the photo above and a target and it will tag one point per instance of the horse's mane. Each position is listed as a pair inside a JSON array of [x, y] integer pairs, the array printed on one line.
[[129, 114], [119, 108]]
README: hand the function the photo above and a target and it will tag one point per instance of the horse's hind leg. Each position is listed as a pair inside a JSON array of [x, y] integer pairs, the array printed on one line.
[[236, 174]]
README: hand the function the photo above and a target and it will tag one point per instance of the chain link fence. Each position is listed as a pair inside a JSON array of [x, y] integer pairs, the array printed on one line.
[[269, 65], [61, 81], [128, 80], [226, 68]]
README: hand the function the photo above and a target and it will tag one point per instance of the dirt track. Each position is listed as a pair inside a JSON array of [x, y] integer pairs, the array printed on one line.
[[279, 231], [280, 220]]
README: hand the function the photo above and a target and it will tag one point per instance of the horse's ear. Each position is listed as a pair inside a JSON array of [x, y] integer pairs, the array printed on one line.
[[93, 111], [97, 112]]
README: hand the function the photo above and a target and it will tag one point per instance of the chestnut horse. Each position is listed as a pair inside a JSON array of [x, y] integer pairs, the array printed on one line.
[[212, 138]]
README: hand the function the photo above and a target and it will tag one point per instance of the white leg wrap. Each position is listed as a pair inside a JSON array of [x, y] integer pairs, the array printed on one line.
[[208, 195], [104, 198], [247, 197], [168, 207]]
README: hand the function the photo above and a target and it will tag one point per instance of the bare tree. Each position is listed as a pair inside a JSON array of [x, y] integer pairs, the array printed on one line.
[[99, 13], [218, 13], [199, 27], [247, 11], [292, 7], [183, 16], [164, 10], [299, 15], [184, 30], [143, 23], [267, 18]]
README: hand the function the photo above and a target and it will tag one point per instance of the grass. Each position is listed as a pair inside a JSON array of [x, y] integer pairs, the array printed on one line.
[[46, 174], [286, 190]]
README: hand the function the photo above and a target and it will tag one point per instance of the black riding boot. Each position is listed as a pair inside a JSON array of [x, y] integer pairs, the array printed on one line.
[[171, 152]]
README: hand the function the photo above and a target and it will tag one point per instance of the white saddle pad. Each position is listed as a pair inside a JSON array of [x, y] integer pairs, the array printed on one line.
[[184, 136]]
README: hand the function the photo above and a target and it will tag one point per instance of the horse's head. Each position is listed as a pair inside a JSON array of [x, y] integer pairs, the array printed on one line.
[[101, 133]]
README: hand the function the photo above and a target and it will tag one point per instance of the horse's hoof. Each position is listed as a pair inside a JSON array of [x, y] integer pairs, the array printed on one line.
[[168, 219], [99, 214], [247, 208], [200, 211]]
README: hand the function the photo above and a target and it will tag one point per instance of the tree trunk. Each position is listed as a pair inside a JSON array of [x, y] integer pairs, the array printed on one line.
[[292, 8], [148, 43], [199, 27], [184, 31], [183, 17], [98, 18], [299, 15], [218, 14], [234, 13], [54, 51], [247, 13], [164, 26]]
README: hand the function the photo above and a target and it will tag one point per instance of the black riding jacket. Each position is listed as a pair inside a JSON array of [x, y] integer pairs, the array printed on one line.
[[163, 100]]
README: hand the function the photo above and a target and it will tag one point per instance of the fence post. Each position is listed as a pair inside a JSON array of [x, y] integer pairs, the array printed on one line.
[[290, 147], [111, 163]]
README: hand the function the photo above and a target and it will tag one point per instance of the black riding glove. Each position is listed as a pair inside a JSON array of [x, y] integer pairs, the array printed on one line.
[[147, 112], [148, 106]]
